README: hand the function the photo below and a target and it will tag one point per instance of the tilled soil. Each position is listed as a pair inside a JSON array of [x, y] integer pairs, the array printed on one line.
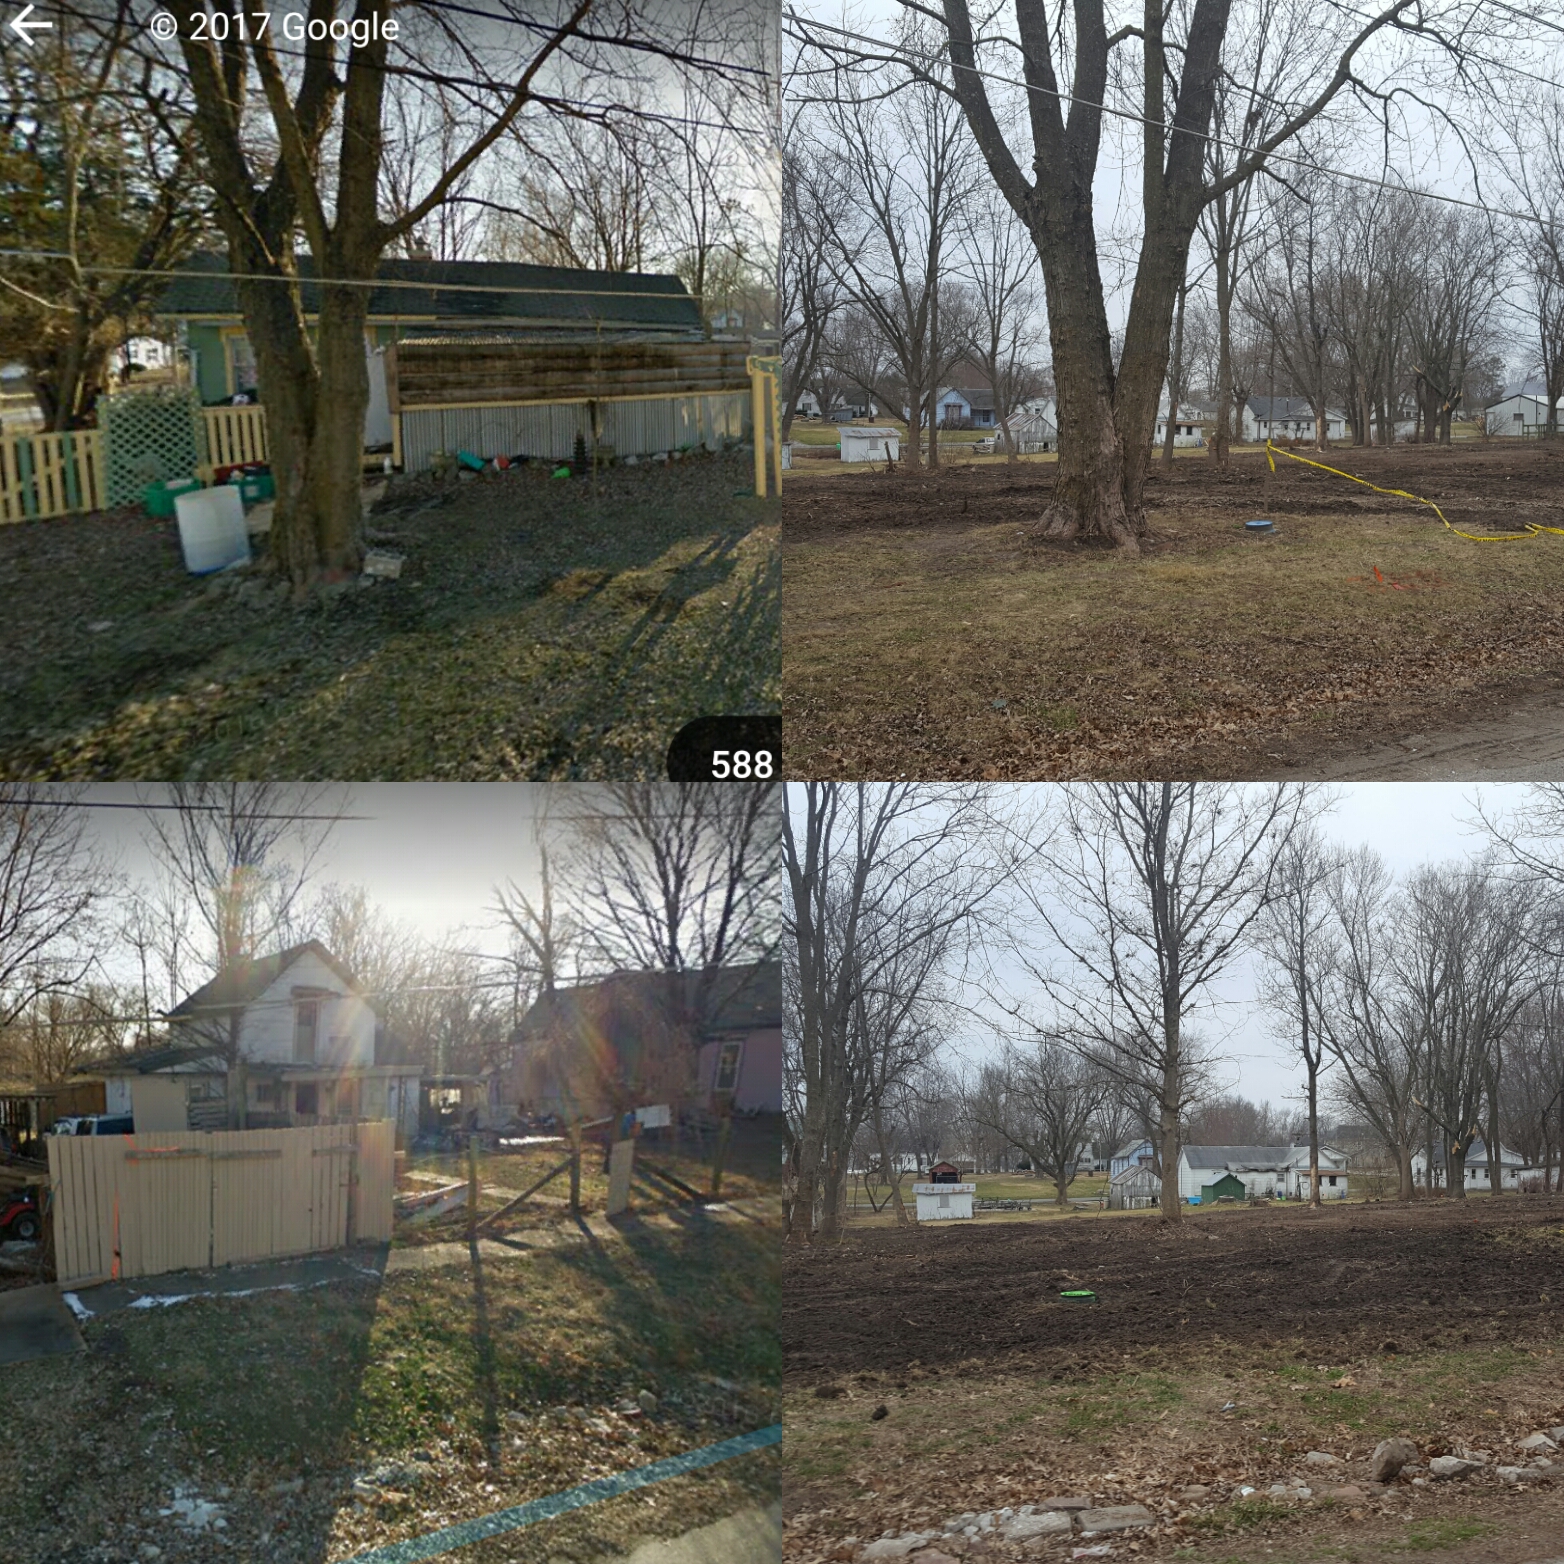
[[1435, 1274], [1483, 488]]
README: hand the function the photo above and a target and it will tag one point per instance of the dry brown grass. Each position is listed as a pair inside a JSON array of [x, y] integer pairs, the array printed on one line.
[[929, 634]]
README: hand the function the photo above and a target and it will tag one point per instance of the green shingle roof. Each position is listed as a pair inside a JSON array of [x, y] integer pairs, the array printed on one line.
[[510, 292]]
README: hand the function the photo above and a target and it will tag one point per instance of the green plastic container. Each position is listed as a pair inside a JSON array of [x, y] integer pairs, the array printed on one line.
[[1079, 1295], [257, 487], [159, 497]]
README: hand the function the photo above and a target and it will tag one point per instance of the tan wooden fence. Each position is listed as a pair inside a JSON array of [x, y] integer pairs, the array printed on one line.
[[138, 1205], [43, 475]]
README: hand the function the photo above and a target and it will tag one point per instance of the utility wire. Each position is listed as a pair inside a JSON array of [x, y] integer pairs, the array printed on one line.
[[897, 52]]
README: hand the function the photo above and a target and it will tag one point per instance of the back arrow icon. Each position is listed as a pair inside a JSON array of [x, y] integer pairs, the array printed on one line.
[[24, 28]]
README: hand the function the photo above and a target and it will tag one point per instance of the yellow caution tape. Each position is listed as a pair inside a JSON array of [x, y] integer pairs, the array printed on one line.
[[1533, 528]]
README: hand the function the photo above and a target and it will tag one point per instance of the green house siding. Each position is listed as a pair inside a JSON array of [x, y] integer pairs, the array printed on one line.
[[208, 341]]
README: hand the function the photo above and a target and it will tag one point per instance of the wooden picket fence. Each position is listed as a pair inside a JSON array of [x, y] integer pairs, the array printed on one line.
[[50, 474], [43, 475], [139, 1205]]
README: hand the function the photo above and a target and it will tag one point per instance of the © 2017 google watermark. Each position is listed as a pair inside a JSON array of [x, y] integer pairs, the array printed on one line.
[[294, 26]]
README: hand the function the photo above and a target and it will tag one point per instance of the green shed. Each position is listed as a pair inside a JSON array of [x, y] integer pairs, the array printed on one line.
[[1229, 1184]]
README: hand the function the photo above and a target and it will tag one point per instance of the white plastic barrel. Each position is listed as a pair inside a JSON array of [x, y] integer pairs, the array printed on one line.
[[211, 529]]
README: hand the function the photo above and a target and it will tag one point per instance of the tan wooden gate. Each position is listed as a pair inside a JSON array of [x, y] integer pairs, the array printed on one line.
[[138, 1205]]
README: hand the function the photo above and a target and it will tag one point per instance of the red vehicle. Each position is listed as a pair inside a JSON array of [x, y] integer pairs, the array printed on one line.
[[19, 1216]]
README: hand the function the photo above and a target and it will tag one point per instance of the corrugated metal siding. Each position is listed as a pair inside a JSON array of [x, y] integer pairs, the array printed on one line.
[[548, 431]]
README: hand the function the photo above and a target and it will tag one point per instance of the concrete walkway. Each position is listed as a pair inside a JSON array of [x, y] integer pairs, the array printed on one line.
[[35, 1323]]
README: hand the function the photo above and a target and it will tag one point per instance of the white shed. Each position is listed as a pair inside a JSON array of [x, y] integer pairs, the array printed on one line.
[[944, 1202], [863, 444]]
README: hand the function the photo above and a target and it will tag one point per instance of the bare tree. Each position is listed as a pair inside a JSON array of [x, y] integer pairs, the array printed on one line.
[[807, 286], [1148, 895], [54, 887], [1296, 938], [1287, 300], [872, 872], [1107, 404], [240, 854], [1007, 335], [901, 178], [1372, 1031], [1043, 1101]]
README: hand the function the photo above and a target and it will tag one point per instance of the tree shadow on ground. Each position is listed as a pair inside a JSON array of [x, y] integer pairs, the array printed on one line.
[[528, 611]]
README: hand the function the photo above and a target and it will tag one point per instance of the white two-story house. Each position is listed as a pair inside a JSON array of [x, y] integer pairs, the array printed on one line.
[[272, 1041]]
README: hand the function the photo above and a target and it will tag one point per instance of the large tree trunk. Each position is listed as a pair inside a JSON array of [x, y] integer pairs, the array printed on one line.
[[1314, 1131], [1089, 484], [1175, 382], [1404, 1170], [1455, 1172], [1167, 1135], [892, 1174]]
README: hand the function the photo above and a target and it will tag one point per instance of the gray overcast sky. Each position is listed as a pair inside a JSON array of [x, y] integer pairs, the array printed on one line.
[[1408, 823], [430, 854]]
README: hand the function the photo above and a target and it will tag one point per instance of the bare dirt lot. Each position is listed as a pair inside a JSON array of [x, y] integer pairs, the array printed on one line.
[[1220, 1353], [540, 629], [930, 633]]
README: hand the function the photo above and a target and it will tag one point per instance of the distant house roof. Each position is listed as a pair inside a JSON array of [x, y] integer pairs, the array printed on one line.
[[1238, 1156], [247, 980], [743, 998], [1477, 1152], [1275, 408], [1136, 1173], [979, 398], [512, 292]]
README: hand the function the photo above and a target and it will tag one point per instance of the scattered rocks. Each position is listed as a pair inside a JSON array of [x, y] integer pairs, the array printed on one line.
[[646, 1401], [1116, 1517], [1073, 1504], [1321, 1458], [931, 1556], [1445, 1467], [1535, 1442], [1522, 1474], [1389, 1457], [1046, 1523], [896, 1547], [1557, 1434]]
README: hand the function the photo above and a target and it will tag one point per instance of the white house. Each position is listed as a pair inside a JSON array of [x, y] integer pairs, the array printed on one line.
[[944, 1202], [1186, 427], [310, 1043], [860, 443], [1288, 418], [1477, 1176], [1264, 1171], [807, 405], [1521, 412]]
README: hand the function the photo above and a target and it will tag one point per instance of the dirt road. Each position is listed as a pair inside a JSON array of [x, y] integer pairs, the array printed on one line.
[[1523, 741]]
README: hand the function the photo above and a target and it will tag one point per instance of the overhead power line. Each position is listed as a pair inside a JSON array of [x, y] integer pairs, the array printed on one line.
[[898, 52]]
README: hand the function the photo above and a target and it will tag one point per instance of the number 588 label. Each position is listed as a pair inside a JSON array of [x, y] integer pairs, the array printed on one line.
[[727, 749]]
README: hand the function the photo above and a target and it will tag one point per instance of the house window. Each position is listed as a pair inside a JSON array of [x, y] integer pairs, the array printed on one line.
[[240, 362], [306, 1099], [268, 1094], [944, 1202], [728, 1067], [1333, 1181], [306, 1024]]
